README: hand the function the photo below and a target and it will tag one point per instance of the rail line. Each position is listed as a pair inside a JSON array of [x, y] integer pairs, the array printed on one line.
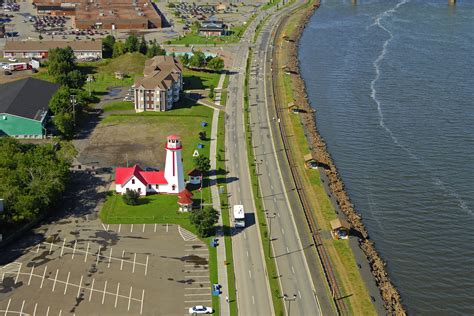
[[314, 229]]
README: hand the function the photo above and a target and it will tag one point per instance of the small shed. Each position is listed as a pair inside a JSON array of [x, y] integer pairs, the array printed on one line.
[[119, 75], [185, 201], [340, 228], [195, 176]]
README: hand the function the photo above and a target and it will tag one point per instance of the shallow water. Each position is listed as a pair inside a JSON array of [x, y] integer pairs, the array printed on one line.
[[393, 85]]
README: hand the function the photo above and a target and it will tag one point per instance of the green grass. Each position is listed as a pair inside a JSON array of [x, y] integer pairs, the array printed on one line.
[[224, 90], [118, 106], [194, 79], [220, 165], [270, 263]]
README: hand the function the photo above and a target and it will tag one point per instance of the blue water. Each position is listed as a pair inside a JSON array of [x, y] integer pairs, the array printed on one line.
[[393, 85]]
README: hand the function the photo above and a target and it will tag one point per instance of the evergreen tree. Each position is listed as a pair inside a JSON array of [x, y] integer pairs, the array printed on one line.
[[131, 44], [108, 46], [118, 49], [143, 47]]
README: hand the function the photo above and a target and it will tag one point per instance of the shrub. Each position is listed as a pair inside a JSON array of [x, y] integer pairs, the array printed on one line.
[[131, 197]]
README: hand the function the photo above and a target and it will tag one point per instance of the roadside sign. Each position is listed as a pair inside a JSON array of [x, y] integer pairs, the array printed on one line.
[[196, 153]]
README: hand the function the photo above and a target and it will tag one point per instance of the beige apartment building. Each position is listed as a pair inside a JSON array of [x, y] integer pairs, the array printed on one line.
[[160, 86]]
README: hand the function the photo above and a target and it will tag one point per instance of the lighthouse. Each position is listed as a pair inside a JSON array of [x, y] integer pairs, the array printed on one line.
[[174, 165]]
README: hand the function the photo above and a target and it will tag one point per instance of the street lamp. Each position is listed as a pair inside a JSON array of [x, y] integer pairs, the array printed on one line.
[[289, 299], [270, 217], [73, 101]]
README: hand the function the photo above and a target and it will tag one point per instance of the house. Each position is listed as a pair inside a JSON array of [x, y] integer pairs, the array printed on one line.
[[24, 107], [195, 176], [212, 28], [168, 181], [160, 86], [185, 201], [40, 49]]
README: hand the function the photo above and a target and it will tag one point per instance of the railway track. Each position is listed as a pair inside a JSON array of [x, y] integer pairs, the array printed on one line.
[[276, 93]]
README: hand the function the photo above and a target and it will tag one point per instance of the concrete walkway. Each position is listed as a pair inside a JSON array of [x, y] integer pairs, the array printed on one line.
[[218, 90], [216, 204]]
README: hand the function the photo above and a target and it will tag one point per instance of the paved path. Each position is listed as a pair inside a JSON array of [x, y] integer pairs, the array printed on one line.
[[216, 204], [218, 90]]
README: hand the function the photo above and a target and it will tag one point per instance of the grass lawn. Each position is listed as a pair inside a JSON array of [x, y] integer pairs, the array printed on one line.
[[118, 106], [194, 79]]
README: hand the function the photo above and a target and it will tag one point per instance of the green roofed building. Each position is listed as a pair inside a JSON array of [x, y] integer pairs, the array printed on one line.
[[24, 107]]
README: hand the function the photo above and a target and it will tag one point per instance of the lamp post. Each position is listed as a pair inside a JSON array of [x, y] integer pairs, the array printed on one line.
[[73, 101], [289, 299], [270, 217]]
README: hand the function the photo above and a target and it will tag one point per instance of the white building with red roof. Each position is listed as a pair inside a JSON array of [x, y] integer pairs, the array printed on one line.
[[168, 181]]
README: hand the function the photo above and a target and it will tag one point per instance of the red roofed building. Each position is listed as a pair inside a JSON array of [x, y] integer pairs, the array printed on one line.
[[185, 201]]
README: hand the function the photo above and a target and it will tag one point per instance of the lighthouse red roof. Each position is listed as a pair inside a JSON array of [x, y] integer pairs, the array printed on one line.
[[123, 175], [186, 193], [173, 136]]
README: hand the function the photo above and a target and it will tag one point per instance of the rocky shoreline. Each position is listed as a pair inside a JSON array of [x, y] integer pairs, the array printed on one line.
[[388, 291]]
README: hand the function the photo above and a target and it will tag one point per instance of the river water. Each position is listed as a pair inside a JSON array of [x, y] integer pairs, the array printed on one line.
[[393, 85]]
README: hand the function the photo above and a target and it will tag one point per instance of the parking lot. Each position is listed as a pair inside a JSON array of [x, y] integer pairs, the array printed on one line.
[[85, 267]]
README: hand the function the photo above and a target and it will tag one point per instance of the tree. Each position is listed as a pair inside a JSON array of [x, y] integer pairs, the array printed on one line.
[[108, 46], [184, 59], [73, 79], [131, 44], [143, 47], [202, 163], [60, 102], [211, 92], [131, 197], [118, 49], [202, 135], [204, 221], [216, 64], [64, 122], [60, 61], [198, 60]]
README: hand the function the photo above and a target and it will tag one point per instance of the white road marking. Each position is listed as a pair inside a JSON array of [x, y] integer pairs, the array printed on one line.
[[282, 231], [250, 274], [129, 298], [293, 269], [42, 279], [60, 312], [31, 274], [34, 310], [98, 255], [253, 300], [103, 293], [117, 294], [79, 287], [167, 227], [155, 228], [134, 260], [110, 258], [131, 228], [245, 235], [47, 311], [247, 253], [74, 249], [121, 264], [92, 289], [87, 252], [18, 273], [22, 306], [287, 250], [103, 226], [62, 248], [146, 265], [120, 228], [50, 247], [278, 214], [141, 305], [55, 279], [8, 306], [143, 230], [67, 282], [299, 293]]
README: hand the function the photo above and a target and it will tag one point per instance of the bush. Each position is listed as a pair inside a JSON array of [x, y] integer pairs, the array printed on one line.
[[204, 221], [131, 197]]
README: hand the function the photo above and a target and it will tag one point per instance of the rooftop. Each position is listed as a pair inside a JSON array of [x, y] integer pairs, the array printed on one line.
[[47, 45]]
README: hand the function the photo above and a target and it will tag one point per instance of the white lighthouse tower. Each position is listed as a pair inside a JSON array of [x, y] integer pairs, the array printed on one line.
[[174, 165]]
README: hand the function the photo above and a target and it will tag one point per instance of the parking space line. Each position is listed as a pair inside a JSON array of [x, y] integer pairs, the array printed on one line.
[[34, 310], [18, 273], [31, 274], [141, 304], [103, 293], [55, 279], [166, 227], [110, 257], [62, 248], [22, 306], [79, 287], [47, 311], [74, 249], [120, 227], [42, 279], [103, 226], [129, 298], [60, 312], [107, 227], [92, 289], [67, 282], [134, 260], [121, 264], [250, 274], [116, 295], [146, 265], [143, 230], [131, 228], [155, 228], [50, 247], [8, 306], [87, 252], [98, 255]]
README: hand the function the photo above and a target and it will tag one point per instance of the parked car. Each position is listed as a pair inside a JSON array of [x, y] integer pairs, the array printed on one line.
[[199, 309], [13, 60]]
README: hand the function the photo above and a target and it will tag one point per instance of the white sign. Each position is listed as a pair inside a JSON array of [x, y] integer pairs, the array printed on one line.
[[196, 153]]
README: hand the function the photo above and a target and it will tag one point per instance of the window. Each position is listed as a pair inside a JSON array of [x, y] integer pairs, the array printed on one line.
[[149, 186], [173, 187], [156, 186], [133, 181]]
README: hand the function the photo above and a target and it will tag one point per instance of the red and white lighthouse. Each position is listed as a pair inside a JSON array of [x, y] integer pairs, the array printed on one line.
[[174, 164]]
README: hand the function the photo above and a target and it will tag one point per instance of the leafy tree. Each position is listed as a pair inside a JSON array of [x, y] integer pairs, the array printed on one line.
[[60, 102], [40, 37], [216, 64], [204, 221], [198, 60], [131, 44], [131, 197], [108, 46], [73, 79], [143, 47], [211, 92], [118, 49], [184, 59], [64, 122], [202, 163], [60, 61]]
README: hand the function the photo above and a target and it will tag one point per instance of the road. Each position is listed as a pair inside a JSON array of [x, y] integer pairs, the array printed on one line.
[[296, 279]]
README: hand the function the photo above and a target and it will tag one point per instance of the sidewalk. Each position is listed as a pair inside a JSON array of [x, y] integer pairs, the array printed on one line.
[[218, 90], [216, 204]]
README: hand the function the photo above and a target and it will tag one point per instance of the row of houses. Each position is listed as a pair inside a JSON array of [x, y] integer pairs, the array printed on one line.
[[40, 49]]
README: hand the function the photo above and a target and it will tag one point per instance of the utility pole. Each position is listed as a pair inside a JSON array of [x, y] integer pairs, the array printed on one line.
[[289, 300], [270, 217], [73, 101]]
